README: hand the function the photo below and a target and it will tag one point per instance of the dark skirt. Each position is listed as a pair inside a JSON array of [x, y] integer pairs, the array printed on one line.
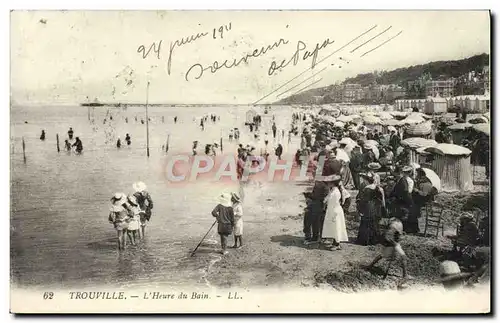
[[368, 233]]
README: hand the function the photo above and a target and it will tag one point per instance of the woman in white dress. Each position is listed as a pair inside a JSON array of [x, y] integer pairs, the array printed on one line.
[[334, 224], [238, 219]]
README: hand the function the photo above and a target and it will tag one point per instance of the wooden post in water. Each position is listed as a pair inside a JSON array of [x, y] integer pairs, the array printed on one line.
[[168, 143], [24, 151], [57, 139], [147, 121], [88, 112], [221, 149]]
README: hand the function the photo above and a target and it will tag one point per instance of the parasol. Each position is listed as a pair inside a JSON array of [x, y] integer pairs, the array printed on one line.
[[344, 118], [433, 177], [371, 120], [372, 143], [338, 124], [480, 119], [483, 128], [385, 116]]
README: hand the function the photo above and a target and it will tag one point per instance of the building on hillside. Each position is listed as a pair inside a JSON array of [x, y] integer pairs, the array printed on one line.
[[486, 79], [317, 99], [394, 92], [443, 88], [352, 92]]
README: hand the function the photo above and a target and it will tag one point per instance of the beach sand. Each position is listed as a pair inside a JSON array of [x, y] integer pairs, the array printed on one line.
[[274, 254]]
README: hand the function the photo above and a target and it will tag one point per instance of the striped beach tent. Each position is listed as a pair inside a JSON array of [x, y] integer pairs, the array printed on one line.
[[452, 164], [419, 130], [414, 143]]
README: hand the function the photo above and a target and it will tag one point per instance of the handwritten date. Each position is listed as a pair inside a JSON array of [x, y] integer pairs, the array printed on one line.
[[156, 47]]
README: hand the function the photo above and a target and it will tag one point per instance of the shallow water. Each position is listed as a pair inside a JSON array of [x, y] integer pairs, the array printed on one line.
[[59, 201]]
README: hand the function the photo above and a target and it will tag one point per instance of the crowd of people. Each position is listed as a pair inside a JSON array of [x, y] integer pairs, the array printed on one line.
[[356, 157], [391, 192], [70, 145]]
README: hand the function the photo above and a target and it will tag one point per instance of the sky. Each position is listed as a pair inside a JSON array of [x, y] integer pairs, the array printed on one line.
[[67, 57]]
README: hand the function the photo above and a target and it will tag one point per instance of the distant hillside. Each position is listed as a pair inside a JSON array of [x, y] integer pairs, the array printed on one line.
[[399, 76]]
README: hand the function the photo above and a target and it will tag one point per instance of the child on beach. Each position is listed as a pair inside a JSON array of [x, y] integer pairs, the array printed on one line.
[[224, 214], [238, 219], [134, 213], [145, 203], [118, 216]]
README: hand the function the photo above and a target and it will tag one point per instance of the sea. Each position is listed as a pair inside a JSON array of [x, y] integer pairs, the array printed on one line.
[[59, 230]]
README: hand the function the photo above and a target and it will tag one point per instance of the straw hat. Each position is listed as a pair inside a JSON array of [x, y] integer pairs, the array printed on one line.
[[236, 197], [450, 270], [332, 178], [466, 216], [391, 128], [367, 146], [119, 198], [225, 199], [344, 141], [139, 186], [374, 166], [407, 169], [132, 199]]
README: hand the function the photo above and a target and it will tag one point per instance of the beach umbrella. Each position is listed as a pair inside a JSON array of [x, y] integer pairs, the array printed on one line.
[[399, 114], [391, 122], [367, 113], [484, 128], [418, 142], [338, 124], [448, 149], [329, 118], [371, 120], [348, 142], [344, 118], [433, 177], [479, 120], [385, 116], [420, 129], [413, 120], [418, 115], [372, 143], [460, 126]]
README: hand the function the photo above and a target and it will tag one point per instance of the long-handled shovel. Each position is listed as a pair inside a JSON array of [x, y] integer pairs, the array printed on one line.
[[199, 244]]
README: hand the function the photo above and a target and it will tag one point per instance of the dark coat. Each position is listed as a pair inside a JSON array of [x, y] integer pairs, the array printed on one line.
[[225, 219]]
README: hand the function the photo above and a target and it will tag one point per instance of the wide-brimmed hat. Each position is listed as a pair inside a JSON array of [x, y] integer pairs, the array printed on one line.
[[450, 270], [367, 146], [366, 175], [466, 216], [225, 199], [374, 166], [139, 186], [132, 199], [391, 128], [407, 169], [332, 178], [119, 198], [236, 197]]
